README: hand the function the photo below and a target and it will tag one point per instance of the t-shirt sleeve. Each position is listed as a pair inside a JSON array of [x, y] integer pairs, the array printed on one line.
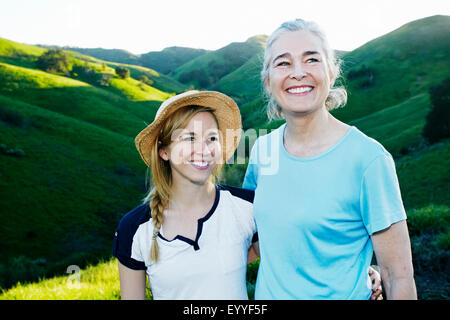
[[244, 215], [251, 175], [381, 202], [125, 248]]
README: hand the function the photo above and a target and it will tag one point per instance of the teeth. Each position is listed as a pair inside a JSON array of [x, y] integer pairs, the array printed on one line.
[[300, 89], [200, 164]]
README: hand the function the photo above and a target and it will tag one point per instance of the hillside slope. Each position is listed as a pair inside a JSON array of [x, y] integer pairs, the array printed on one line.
[[26, 56], [62, 197], [396, 66], [206, 70], [68, 166]]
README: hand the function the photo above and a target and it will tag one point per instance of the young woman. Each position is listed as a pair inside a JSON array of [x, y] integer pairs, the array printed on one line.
[[190, 235], [326, 195]]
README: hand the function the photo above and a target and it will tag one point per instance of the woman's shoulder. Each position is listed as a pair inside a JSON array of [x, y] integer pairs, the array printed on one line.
[[273, 135], [135, 217], [366, 145], [244, 194]]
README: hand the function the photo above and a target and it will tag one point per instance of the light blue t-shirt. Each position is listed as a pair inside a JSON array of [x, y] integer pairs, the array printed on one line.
[[315, 215]]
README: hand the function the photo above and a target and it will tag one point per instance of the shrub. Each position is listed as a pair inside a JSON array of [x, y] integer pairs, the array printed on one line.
[[431, 219], [146, 80], [15, 152], [85, 73], [104, 80], [54, 61], [122, 72], [24, 269], [437, 125], [11, 152], [13, 118], [443, 242]]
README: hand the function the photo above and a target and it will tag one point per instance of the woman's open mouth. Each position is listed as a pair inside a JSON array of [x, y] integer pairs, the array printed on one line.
[[300, 90], [200, 165]]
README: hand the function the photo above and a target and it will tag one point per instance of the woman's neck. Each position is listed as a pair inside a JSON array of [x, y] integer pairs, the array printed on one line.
[[305, 129], [189, 197], [311, 134]]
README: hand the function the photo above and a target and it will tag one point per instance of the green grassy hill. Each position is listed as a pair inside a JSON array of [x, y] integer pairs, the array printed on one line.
[[398, 127], [169, 59], [206, 70], [63, 195], [69, 168], [86, 68], [164, 61], [75, 98], [112, 55], [244, 83], [397, 66], [99, 282]]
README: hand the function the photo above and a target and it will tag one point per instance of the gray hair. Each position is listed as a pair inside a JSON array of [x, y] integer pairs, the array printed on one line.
[[337, 97]]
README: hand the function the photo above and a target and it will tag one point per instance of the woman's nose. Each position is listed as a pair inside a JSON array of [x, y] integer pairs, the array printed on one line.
[[202, 148], [298, 72]]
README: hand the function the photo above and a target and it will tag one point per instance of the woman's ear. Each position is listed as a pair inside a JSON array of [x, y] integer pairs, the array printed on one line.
[[267, 84], [332, 79], [163, 154]]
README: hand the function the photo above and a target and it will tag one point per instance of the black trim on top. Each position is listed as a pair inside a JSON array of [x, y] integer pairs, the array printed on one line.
[[244, 194], [123, 238], [199, 225]]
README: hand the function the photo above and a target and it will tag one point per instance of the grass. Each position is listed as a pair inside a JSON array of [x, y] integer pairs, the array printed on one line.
[[95, 282], [206, 70], [429, 229], [161, 82], [245, 81], [100, 282], [137, 91], [424, 176], [22, 55], [399, 127], [405, 63], [62, 200], [75, 99]]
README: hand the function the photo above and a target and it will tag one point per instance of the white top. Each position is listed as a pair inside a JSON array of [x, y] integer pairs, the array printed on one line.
[[211, 267]]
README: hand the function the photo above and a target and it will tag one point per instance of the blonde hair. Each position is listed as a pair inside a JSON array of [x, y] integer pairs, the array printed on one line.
[[161, 173], [337, 97]]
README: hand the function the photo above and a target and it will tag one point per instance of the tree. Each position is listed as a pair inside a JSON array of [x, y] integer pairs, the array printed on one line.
[[437, 125], [122, 72], [146, 80], [55, 61]]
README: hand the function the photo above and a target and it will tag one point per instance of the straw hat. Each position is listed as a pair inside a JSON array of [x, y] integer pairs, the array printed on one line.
[[224, 108]]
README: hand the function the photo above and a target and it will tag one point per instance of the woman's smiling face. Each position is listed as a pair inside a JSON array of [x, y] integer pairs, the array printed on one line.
[[299, 78], [195, 150]]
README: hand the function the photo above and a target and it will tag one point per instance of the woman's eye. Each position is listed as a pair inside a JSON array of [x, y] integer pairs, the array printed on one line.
[[189, 139], [282, 64], [212, 139], [312, 60]]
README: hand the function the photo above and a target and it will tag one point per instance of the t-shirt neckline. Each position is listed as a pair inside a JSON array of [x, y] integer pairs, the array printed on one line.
[[320, 155], [200, 223]]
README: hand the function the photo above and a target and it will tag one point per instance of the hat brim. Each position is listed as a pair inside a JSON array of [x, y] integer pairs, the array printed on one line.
[[224, 108]]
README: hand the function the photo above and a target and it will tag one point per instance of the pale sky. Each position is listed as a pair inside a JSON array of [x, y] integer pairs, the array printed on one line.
[[140, 26]]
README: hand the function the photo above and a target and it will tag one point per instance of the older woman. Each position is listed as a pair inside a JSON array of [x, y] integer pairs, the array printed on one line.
[[326, 195]]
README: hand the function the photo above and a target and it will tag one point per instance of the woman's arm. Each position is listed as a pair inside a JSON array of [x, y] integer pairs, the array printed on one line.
[[253, 252], [132, 283], [393, 252]]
